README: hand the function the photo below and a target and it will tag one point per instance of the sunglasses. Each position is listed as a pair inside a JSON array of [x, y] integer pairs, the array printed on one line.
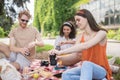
[[23, 20]]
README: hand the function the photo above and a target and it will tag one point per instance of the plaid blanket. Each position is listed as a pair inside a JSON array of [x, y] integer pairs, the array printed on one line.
[[45, 72]]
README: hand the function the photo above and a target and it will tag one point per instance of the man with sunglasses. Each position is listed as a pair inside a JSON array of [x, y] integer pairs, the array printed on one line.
[[23, 40]]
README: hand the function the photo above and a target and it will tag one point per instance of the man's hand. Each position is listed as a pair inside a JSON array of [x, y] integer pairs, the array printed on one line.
[[24, 50]]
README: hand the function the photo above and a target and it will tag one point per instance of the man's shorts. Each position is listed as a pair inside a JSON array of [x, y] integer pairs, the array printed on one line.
[[19, 58]]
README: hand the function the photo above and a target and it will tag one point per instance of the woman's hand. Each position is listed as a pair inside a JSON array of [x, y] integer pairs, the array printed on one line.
[[54, 51], [63, 42]]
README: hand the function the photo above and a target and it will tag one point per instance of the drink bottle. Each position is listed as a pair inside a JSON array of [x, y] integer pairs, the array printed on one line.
[[53, 60]]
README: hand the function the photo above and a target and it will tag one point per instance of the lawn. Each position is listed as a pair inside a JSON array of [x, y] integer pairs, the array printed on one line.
[[117, 75]]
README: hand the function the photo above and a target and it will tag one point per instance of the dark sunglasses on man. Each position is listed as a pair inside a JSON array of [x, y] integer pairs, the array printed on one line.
[[23, 20]]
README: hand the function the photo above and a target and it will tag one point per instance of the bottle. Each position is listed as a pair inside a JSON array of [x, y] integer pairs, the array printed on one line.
[[53, 60], [52, 57]]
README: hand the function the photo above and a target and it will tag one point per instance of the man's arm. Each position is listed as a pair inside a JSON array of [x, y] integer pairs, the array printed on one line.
[[16, 49], [37, 42]]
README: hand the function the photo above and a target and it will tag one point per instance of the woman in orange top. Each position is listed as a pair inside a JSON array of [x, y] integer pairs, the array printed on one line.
[[92, 46]]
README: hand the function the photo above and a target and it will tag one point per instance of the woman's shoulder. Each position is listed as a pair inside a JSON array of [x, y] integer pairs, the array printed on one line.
[[102, 35], [102, 32]]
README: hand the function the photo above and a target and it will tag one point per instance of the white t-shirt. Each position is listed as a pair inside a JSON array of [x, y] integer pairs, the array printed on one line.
[[59, 39]]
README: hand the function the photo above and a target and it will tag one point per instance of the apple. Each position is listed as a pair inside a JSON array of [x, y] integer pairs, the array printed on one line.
[[35, 75]]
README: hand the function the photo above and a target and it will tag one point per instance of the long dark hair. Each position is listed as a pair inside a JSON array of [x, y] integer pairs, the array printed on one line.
[[72, 27], [93, 24]]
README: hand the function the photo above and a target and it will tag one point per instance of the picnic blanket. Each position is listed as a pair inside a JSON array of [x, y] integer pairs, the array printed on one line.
[[45, 72]]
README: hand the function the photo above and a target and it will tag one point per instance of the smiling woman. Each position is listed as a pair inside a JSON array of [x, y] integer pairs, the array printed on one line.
[[66, 37], [92, 47]]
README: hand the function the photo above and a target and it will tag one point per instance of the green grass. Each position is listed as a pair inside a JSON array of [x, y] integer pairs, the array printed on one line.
[[46, 47], [117, 75], [109, 57], [117, 61]]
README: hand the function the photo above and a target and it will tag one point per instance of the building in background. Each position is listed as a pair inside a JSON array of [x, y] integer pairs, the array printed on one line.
[[106, 12]]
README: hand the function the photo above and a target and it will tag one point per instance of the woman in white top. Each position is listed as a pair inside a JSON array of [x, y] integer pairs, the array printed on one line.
[[67, 35]]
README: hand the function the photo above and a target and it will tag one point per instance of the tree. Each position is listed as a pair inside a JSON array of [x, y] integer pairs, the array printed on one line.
[[50, 14], [9, 10], [12, 7], [1, 6]]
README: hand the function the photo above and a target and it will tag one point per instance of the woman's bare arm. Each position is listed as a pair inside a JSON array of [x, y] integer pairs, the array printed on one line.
[[101, 35]]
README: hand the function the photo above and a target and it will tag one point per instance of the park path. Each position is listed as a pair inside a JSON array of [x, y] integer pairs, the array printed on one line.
[[113, 47]]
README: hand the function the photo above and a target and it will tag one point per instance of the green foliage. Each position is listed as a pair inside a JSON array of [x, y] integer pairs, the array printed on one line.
[[54, 33], [77, 4], [114, 34], [111, 34], [5, 23], [50, 14], [1, 32], [109, 57], [46, 47], [1, 7], [8, 12], [117, 36], [116, 76], [117, 61], [15, 25]]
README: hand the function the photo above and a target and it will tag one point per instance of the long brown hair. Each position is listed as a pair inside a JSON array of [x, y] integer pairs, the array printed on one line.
[[93, 24]]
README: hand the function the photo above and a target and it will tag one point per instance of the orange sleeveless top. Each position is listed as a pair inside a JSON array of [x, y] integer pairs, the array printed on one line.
[[97, 55]]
